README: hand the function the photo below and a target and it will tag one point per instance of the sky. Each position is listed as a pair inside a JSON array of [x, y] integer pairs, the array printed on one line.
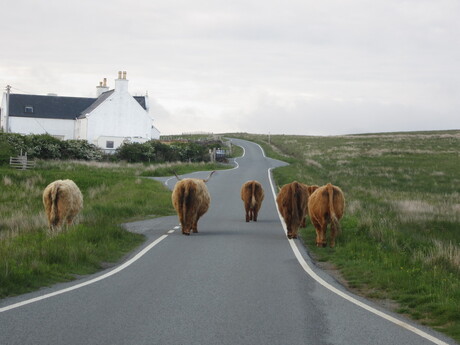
[[302, 67]]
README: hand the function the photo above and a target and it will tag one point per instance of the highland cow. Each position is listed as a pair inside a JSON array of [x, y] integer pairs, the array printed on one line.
[[191, 200], [326, 205], [63, 201], [292, 204], [252, 195]]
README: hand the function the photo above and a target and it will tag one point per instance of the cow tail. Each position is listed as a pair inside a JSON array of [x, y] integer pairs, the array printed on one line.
[[295, 202], [54, 198], [253, 198], [187, 197], [334, 220]]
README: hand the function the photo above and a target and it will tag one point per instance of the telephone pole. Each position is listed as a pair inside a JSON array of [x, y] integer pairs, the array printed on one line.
[[7, 108]]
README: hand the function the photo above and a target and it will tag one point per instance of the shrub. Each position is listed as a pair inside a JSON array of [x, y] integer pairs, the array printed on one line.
[[6, 150], [80, 149]]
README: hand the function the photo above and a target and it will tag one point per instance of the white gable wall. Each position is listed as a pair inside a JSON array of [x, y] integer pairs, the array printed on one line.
[[120, 115]]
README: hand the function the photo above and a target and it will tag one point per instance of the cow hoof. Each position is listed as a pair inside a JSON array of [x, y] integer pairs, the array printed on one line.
[[294, 236], [324, 245], [289, 236], [186, 233]]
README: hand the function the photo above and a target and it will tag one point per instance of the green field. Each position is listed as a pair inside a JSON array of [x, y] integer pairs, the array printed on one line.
[[113, 194], [400, 238]]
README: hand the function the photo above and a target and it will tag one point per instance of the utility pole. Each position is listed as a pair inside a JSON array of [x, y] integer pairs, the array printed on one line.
[[7, 108]]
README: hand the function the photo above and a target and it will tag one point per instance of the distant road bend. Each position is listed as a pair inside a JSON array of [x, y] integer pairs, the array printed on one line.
[[232, 283]]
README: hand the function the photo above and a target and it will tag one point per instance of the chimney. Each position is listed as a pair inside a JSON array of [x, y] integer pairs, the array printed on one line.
[[102, 87], [121, 84]]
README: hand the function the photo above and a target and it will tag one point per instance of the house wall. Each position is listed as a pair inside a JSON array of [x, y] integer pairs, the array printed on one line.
[[120, 115], [3, 111], [64, 129]]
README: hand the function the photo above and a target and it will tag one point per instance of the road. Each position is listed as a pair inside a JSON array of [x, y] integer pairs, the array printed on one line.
[[232, 283]]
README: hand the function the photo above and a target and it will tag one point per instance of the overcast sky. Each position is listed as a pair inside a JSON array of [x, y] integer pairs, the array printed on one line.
[[281, 67]]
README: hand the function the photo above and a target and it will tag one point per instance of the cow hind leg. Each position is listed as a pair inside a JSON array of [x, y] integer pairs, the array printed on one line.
[[289, 232], [333, 235], [255, 212], [323, 235], [248, 212]]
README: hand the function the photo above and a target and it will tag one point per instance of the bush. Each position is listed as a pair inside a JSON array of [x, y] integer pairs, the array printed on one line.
[[133, 152], [81, 150], [6, 149], [157, 152], [44, 146]]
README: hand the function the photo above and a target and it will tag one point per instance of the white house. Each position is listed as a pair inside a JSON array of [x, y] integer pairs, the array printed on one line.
[[107, 121]]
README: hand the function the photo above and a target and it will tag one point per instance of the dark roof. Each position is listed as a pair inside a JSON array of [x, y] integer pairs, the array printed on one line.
[[57, 107], [141, 101], [96, 103]]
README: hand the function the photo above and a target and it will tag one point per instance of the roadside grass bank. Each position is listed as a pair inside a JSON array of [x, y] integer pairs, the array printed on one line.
[[114, 193], [400, 236]]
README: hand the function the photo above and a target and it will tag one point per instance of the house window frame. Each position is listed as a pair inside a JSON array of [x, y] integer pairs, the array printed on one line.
[[109, 144]]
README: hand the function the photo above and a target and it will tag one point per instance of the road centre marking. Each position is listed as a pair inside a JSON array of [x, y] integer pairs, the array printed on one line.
[[342, 294]]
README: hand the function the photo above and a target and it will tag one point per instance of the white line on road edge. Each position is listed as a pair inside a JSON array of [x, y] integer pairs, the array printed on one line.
[[328, 286], [108, 274]]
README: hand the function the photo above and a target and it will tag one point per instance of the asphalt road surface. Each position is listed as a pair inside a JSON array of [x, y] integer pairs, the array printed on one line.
[[232, 283]]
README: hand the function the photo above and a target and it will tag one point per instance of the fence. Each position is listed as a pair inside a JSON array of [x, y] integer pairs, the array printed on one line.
[[22, 162]]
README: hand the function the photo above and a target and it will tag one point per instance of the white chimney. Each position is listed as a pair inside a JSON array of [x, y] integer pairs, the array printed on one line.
[[102, 87], [121, 84]]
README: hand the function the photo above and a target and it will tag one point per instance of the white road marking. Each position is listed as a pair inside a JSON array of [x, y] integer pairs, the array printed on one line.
[[92, 281], [169, 179], [342, 294], [171, 231]]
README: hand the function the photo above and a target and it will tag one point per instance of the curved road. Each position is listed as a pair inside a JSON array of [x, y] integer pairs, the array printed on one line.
[[232, 283]]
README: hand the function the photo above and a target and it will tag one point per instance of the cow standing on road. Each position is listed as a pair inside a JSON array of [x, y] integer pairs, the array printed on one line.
[[252, 195], [292, 203], [191, 200]]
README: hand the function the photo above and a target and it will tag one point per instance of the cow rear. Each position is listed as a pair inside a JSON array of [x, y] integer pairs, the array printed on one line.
[[326, 206], [292, 204], [252, 194]]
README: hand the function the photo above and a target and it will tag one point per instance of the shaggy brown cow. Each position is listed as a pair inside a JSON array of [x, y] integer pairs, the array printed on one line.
[[292, 204], [252, 195], [325, 206], [63, 201], [191, 200]]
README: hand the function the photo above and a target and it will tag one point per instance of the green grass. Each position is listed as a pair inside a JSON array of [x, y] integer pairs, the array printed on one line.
[[113, 194], [400, 235], [168, 169]]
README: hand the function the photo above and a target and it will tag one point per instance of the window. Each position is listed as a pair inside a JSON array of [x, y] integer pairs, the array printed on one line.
[[109, 144], [29, 109]]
